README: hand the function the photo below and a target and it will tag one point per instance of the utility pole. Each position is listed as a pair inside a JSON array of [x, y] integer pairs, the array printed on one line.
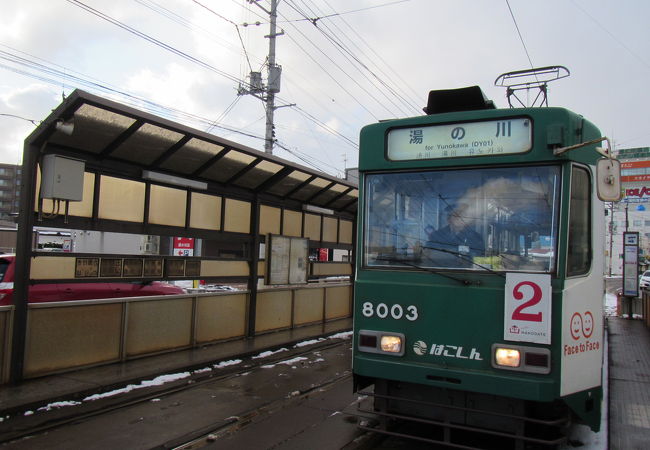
[[257, 88], [273, 82]]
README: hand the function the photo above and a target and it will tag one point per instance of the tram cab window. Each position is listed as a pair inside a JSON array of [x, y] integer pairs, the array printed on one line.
[[503, 219], [579, 254]]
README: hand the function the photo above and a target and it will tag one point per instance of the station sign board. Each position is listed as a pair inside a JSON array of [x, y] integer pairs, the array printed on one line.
[[631, 264]]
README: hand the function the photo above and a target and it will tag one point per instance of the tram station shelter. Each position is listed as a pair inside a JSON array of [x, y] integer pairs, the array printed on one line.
[[94, 164]]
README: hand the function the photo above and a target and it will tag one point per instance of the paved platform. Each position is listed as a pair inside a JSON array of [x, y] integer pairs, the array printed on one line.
[[49, 389], [629, 384]]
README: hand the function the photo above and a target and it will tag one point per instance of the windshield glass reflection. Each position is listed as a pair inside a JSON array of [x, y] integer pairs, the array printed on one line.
[[493, 218]]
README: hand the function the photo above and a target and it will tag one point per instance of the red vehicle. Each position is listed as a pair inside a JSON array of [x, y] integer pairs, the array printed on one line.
[[57, 292]]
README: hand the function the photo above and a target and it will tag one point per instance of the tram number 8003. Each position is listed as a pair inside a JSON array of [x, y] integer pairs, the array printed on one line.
[[396, 311]]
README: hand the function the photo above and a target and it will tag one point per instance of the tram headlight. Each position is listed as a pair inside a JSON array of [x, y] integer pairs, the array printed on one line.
[[508, 357], [391, 344], [381, 342]]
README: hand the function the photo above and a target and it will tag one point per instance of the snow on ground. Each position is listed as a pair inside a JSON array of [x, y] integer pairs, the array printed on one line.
[[269, 353], [222, 364], [343, 335], [158, 381], [58, 405], [310, 342], [610, 305], [287, 362]]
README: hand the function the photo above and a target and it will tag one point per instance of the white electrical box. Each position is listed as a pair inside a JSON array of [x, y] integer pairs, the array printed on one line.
[[62, 178]]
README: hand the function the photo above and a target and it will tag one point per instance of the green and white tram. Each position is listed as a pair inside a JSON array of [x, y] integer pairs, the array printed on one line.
[[479, 279]]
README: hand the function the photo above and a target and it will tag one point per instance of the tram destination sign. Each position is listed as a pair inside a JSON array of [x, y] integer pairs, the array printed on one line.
[[493, 137]]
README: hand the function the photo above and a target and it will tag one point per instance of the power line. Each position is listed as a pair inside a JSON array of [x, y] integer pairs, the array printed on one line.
[[345, 12], [412, 100], [20, 117], [154, 41], [612, 35], [335, 38], [329, 74], [519, 33], [232, 23], [54, 76], [185, 56]]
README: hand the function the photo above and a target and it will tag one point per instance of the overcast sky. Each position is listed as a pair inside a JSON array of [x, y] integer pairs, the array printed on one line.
[[360, 62]]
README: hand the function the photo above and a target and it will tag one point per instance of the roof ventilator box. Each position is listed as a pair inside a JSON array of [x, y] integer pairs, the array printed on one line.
[[62, 178]]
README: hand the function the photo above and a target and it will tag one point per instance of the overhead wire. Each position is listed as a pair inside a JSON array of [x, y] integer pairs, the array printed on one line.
[[241, 40], [414, 100], [354, 80], [51, 75], [343, 70], [335, 37], [286, 103], [20, 117], [192, 59], [612, 35], [154, 41], [328, 73], [520, 36]]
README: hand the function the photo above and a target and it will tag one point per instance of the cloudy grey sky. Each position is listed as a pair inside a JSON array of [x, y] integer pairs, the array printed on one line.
[[360, 62]]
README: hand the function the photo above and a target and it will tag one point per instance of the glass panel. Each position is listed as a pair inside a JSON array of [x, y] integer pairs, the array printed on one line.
[[579, 256], [147, 144], [312, 188], [347, 199], [329, 194], [259, 174], [498, 218], [290, 182], [191, 156], [94, 129], [228, 166]]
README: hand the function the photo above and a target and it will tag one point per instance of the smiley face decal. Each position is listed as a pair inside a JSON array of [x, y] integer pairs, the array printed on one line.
[[576, 326], [588, 324], [581, 325]]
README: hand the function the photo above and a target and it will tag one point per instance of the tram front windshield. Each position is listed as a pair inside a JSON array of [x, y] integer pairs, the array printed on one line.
[[501, 219]]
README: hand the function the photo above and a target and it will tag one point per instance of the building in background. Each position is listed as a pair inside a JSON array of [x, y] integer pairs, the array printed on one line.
[[632, 213], [9, 192]]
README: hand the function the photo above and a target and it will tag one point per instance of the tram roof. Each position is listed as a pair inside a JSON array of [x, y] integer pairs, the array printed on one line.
[[129, 142]]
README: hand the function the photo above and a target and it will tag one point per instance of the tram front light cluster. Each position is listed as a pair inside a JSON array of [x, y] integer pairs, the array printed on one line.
[[391, 344], [382, 342], [521, 358], [508, 357]]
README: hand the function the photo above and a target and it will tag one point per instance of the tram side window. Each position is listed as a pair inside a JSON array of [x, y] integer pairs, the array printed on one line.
[[579, 255]]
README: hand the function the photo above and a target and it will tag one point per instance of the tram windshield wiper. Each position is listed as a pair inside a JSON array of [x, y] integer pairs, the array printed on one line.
[[465, 258], [400, 259]]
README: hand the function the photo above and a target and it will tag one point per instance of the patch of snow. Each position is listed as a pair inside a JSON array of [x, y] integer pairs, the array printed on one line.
[[269, 353], [310, 342], [290, 362], [29, 413], [222, 364], [205, 369], [58, 405], [343, 335], [610, 305], [158, 381]]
